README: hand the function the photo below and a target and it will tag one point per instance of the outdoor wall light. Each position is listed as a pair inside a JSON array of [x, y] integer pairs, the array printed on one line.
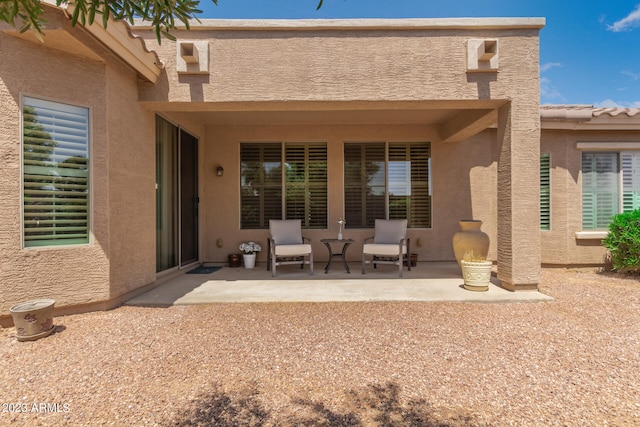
[[219, 170]]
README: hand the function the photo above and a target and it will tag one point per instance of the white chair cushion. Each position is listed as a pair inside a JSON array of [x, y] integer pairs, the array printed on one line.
[[292, 250], [382, 250]]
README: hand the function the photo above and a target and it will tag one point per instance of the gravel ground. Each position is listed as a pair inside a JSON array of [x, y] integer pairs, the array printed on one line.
[[571, 362]]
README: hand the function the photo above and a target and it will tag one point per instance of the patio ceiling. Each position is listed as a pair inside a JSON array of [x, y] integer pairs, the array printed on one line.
[[456, 120]]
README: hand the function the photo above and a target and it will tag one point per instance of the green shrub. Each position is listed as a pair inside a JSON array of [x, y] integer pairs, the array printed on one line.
[[623, 242]]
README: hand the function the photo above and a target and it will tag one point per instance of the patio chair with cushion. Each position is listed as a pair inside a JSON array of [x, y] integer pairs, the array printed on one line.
[[390, 244], [287, 245]]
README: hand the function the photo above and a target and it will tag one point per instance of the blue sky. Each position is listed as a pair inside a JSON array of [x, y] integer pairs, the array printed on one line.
[[589, 50]]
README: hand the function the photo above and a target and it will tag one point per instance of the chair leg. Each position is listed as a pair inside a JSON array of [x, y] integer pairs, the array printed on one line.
[[311, 263], [273, 266], [400, 262], [268, 254]]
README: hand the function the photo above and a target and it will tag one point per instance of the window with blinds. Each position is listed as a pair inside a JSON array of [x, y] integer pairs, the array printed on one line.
[[599, 189], [306, 184], [283, 181], [545, 191], [55, 173], [610, 185], [630, 180], [387, 181]]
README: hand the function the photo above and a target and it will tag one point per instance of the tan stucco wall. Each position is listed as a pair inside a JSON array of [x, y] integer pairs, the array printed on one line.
[[267, 64], [72, 275], [560, 245], [132, 168], [463, 176], [121, 253]]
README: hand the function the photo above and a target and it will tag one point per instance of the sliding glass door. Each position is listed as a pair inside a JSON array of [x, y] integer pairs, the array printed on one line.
[[188, 198], [176, 196]]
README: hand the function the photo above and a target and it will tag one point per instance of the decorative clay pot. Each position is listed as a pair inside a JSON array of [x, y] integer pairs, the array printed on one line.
[[470, 238], [476, 274], [235, 260], [33, 319], [249, 260]]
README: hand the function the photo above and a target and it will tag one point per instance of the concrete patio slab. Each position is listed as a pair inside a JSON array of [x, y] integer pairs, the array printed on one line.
[[430, 281]]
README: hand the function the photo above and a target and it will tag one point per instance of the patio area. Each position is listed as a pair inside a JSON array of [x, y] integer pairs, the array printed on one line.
[[428, 281]]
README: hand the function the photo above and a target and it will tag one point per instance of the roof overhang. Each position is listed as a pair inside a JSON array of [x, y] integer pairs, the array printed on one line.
[[117, 38], [130, 48], [401, 24], [586, 117]]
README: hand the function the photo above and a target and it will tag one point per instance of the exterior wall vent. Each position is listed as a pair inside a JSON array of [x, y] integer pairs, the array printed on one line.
[[482, 55], [189, 53], [192, 57]]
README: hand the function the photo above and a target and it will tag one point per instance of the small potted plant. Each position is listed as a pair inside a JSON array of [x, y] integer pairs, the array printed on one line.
[[249, 251], [476, 271]]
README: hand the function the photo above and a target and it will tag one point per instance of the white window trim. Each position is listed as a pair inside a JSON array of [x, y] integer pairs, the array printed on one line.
[[591, 235]]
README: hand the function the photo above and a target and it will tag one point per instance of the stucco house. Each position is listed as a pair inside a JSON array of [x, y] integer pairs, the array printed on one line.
[[125, 159]]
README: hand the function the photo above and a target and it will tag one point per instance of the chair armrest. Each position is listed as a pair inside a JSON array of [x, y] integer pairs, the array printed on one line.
[[366, 239], [306, 239]]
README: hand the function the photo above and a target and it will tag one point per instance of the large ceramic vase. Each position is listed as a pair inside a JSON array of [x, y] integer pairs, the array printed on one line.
[[249, 260], [470, 239]]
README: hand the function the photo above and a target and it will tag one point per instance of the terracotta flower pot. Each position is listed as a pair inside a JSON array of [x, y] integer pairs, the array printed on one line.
[[33, 319]]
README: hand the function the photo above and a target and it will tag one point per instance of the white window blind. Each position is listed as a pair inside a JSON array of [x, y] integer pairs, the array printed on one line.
[[599, 189], [55, 173], [610, 185], [630, 180]]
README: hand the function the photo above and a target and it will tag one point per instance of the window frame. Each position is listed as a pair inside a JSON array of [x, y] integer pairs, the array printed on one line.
[[60, 108], [546, 174], [391, 150], [620, 175], [289, 152]]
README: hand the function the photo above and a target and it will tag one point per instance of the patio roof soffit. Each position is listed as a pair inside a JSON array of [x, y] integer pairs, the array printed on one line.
[[455, 120], [334, 105]]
